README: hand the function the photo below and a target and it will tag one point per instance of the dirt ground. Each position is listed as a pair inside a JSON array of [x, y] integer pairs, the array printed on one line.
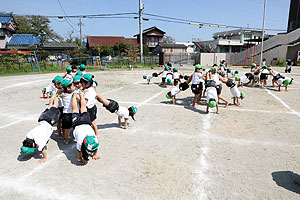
[[169, 152]]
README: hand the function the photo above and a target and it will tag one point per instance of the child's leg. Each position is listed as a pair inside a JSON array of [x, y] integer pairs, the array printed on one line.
[[200, 96], [195, 99], [286, 88], [148, 80], [278, 87], [44, 154], [217, 107], [102, 100], [67, 133], [173, 99], [234, 100], [125, 124], [207, 109], [237, 102], [58, 128], [220, 97], [119, 121]]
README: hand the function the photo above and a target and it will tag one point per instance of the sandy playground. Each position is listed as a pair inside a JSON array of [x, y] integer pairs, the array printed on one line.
[[169, 152]]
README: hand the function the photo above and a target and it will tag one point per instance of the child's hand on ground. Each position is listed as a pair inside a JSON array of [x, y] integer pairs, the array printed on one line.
[[95, 157], [42, 160]]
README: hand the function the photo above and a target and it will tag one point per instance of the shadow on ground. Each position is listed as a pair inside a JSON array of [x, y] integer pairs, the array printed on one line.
[[286, 179], [105, 126]]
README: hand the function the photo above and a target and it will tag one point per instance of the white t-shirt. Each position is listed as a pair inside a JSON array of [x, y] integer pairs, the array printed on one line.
[[275, 72], [40, 134], [73, 74], [149, 77], [216, 79], [235, 92], [196, 78], [164, 74], [67, 102], [175, 90], [80, 132], [90, 96], [176, 75], [243, 79], [211, 93], [50, 87], [264, 71], [123, 112], [281, 80], [169, 76], [69, 77]]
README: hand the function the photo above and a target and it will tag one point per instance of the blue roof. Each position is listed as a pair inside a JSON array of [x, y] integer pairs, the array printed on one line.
[[5, 18], [24, 39]]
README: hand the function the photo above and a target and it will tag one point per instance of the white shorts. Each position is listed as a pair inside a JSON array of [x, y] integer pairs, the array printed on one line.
[[235, 92], [50, 87]]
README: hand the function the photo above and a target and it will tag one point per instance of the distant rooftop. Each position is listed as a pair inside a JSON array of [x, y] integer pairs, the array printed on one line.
[[24, 39], [233, 32], [5, 18]]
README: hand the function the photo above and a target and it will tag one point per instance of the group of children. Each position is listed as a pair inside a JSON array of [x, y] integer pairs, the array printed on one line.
[[210, 82], [73, 106]]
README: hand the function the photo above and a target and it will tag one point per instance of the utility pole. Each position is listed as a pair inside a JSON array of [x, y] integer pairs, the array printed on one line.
[[80, 24], [263, 34], [141, 7]]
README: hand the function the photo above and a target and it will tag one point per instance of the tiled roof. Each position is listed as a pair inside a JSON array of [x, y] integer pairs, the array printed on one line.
[[59, 45], [5, 18], [24, 39], [150, 29], [109, 40]]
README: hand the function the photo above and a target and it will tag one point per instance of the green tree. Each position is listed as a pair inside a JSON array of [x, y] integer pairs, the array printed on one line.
[[120, 48], [36, 25]]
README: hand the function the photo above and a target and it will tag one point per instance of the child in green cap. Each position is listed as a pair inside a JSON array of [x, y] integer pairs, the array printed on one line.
[[164, 75], [197, 83], [149, 77], [84, 135], [211, 93], [82, 69], [38, 137], [68, 74], [122, 112], [286, 81]]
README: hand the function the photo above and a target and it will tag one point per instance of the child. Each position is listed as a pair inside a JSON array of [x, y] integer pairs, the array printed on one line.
[[149, 77], [68, 74], [216, 77], [82, 69], [164, 75], [83, 132], [255, 70], [74, 71], [52, 85], [176, 75], [69, 88], [38, 137], [236, 94], [90, 96], [289, 64], [211, 95], [285, 81], [264, 72], [197, 83], [245, 79], [77, 83], [122, 112], [175, 90]]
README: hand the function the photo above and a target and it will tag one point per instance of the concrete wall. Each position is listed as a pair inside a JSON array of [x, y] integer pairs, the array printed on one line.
[[209, 59]]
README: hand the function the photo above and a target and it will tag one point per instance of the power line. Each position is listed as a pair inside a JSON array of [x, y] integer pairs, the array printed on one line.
[[68, 20]]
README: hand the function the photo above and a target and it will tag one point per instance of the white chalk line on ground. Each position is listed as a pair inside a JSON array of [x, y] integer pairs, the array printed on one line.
[[117, 89], [24, 83], [30, 118], [283, 103]]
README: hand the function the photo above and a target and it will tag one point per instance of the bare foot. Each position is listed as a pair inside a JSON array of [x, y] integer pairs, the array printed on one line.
[[217, 113], [226, 104], [42, 160]]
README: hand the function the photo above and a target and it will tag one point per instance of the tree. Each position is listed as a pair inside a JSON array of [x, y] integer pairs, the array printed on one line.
[[36, 25], [72, 39], [168, 39], [120, 48], [103, 50]]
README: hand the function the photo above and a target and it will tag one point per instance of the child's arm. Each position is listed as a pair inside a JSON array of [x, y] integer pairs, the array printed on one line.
[[286, 88], [190, 79], [125, 124], [95, 157], [44, 153], [79, 158], [119, 120], [173, 99], [217, 107]]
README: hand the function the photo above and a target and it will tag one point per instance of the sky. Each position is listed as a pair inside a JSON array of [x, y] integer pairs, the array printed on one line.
[[244, 13]]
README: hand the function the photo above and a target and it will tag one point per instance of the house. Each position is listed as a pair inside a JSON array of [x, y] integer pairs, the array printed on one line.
[[94, 41], [189, 46], [23, 41], [170, 48], [57, 51], [151, 37], [7, 29], [230, 41]]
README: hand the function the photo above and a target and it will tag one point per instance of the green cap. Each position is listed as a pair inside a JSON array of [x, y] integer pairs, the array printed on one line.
[[198, 66], [91, 143], [269, 68], [229, 70], [168, 96], [82, 66], [236, 71], [167, 67], [237, 78], [265, 67], [144, 77], [57, 79], [96, 82], [69, 69], [286, 82], [221, 64], [212, 104], [27, 150], [169, 81], [76, 78], [134, 109], [79, 73], [253, 65], [243, 95], [87, 77], [66, 82], [175, 69]]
